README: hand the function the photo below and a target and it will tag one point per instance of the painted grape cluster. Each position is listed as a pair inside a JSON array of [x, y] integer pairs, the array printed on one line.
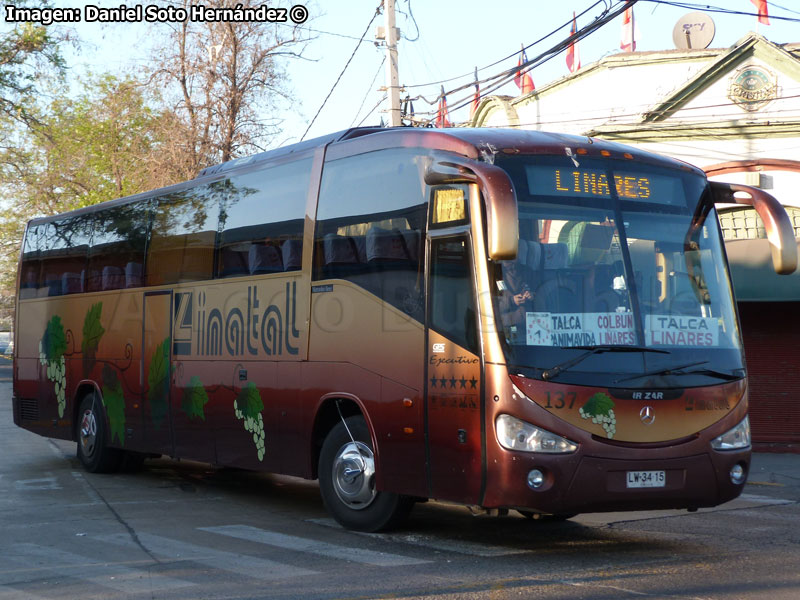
[[52, 347], [248, 407], [57, 373], [600, 409]]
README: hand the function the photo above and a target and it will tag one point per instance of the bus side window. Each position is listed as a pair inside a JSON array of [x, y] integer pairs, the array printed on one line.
[[31, 263], [182, 238], [452, 297], [63, 247], [262, 216], [75, 233], [371, 226], [119, 237]]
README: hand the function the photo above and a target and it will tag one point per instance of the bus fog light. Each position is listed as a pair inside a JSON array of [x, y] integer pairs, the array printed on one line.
[[735, 439], [535, 479], [515, 434], [737, 473]]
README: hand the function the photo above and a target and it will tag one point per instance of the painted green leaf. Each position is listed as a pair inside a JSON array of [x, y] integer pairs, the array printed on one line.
[[158, 383], [599, 404], [114, 401], [54, 341], [249, 401], [92, 332], [92, 329], [194, 399]]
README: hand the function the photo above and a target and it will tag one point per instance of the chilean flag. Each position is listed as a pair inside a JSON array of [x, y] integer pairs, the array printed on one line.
[[763, 15], [477, 97], [628, 43], [523, 79], [573, 53], [442, 118]]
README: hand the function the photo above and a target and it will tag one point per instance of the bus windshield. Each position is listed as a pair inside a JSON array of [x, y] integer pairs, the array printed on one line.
[[616, 255]]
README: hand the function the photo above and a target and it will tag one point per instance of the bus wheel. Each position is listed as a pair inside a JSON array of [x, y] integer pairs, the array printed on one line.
[[545, 518], [347, 481], [92, 435]]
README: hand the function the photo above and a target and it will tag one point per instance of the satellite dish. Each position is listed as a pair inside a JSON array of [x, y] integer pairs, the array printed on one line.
[[693, 31]]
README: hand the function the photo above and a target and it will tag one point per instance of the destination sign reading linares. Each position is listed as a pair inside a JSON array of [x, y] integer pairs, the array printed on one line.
[[595, 183]]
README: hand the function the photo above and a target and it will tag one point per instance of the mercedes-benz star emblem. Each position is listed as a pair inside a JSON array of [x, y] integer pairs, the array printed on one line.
[[647, 415]]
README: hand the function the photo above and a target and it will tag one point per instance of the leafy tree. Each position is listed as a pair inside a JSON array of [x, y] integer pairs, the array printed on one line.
[[220, 80], [81, 151], [26, 51]]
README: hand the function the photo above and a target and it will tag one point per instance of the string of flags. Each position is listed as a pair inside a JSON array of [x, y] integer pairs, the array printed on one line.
[[476, 98], [628, 43], [522, 76], [763, 13], [573, 53], [442, 116]]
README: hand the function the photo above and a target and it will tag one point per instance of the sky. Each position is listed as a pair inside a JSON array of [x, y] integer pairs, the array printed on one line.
[[441, 41]]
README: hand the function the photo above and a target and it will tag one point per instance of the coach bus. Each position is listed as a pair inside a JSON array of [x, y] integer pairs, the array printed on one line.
[[499, 318]]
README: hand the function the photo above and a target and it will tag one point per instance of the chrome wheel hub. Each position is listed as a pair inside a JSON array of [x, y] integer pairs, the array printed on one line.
[[354, 475], [88, 433]]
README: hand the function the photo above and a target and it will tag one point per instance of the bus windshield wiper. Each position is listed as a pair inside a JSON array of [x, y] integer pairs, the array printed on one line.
[[681, 370], [560, 368]]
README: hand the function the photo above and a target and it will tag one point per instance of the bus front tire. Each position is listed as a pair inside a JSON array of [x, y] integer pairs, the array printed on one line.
[[347, 481], [92, 436]]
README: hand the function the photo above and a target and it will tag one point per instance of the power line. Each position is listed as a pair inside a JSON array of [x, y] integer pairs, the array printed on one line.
[[373, 109], [504, 77], [719, 9], [505, 58], [349, 60], [369, 89]]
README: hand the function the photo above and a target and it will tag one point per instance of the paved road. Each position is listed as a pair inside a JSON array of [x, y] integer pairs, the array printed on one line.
[[186, 530]]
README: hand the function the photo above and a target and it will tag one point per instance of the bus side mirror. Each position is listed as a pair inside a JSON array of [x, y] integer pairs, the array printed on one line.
[[780, 232], [502, 218]]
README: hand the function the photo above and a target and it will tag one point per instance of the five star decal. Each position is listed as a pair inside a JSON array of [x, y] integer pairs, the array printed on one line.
[[453, 383]]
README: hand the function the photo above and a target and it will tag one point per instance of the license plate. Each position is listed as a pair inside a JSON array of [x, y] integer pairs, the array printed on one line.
[[646, 479]]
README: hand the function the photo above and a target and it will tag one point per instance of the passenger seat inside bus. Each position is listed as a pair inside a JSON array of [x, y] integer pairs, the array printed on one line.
[[133, 275], [292, 252], [72, 283], [341, 255], [112, 278], [395, 273], [264, 259]]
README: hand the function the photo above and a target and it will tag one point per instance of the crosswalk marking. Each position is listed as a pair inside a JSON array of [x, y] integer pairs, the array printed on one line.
[[436, 543], [115, 576], [249, 566], [765, 499], [299, 544]]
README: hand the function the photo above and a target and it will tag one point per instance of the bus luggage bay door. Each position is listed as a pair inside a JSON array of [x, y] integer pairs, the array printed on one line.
[[455, 425], [156, 368]]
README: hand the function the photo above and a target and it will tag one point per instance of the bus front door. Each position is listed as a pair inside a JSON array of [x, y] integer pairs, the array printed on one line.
[[455, 426], [156, 372]]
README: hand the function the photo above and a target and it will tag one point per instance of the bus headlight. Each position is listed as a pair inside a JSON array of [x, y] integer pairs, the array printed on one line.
[[735, 439], [515, 434]]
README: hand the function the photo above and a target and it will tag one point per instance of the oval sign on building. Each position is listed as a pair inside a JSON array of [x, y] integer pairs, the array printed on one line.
[[752, 88]]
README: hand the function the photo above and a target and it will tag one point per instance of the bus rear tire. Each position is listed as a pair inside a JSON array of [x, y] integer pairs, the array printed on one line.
[[92, 435], [347, 481]]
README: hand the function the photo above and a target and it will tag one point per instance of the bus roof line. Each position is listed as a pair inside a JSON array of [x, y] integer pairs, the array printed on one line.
[[468, 142]]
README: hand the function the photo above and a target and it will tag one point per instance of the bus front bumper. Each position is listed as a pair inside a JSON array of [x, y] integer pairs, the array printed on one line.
[[580, 484]]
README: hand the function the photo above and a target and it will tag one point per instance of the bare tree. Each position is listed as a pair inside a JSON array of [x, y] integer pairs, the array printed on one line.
[[221, 80]]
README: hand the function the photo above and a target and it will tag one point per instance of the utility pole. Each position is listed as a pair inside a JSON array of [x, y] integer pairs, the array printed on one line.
[[392, 78]]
